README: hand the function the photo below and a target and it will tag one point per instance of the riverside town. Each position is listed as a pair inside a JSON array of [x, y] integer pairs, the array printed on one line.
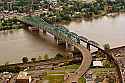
[[62, 41]]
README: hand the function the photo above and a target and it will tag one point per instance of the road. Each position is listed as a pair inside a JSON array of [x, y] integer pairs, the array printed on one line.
[[121, 62], [87, 58]]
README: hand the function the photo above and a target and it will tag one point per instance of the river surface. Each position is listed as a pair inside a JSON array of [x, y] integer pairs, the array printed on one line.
[[19, 43], [103, 30], [16, 44]]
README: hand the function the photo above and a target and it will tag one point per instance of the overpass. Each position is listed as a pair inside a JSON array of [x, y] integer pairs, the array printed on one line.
[[63, 36]]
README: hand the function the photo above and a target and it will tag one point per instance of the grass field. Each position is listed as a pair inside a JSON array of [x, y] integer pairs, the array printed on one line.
[[58, 76]]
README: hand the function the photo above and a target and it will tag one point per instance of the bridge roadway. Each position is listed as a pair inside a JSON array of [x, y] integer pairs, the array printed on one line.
[[61, 33], [87, 58]]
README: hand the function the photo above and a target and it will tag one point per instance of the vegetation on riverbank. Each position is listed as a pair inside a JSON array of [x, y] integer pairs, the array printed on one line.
[[66, 11], [67, 61], [12, 69], [25, 62], [8, 24]]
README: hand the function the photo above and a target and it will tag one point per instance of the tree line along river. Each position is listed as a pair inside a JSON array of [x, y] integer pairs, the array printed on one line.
[[19, 43]]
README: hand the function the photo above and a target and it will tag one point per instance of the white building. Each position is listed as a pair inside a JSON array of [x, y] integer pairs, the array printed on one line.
[[97, 63], [23, 78]]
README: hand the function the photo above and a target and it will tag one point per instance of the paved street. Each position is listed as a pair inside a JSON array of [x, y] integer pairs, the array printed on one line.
[[119, 54], [83, 67]]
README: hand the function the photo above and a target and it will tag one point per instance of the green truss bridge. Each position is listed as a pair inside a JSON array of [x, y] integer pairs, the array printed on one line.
[[71, 40]]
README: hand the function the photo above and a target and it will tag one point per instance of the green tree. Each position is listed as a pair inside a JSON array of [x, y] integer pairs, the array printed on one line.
[[106, 47], [6, 66], [108, 50], [107, 64], [59, 56], [25, 59], [33, 59], [17, 69], [46, 57], [3, 23], [39, 58]]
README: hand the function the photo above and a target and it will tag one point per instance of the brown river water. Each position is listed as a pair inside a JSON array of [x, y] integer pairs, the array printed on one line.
[[102, 30], [16, 44], [19, 43]]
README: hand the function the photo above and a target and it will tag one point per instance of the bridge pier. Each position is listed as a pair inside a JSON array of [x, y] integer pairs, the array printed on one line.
[[44, 32], [60, 42], [26, 26], [73, 50], [88, 46], [99, 49], [55, 38], [69, 47], [33, 29]]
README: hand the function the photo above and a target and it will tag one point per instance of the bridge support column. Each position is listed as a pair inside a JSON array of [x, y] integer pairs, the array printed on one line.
[[99, 50], [61, 43], [55, 38], [44, 32], [68, 47], [76, 54], [26, 27], [88, 46], [33, 29], [76, 51], [71, 48]]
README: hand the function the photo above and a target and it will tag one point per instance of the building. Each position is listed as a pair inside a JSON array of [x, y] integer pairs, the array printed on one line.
[[23, 78], [97, 63]]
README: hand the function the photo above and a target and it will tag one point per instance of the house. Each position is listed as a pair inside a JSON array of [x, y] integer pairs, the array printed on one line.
[[97, 63], [23, 78]]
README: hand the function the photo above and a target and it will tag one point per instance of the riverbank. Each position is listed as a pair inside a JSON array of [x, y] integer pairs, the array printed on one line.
[[118, 52], [8, 24], [65, 13], [21, 66]]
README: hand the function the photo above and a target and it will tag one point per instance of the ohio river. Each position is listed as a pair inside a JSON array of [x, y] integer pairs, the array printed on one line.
[[16, 44], [103, 30], [19, 43]]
